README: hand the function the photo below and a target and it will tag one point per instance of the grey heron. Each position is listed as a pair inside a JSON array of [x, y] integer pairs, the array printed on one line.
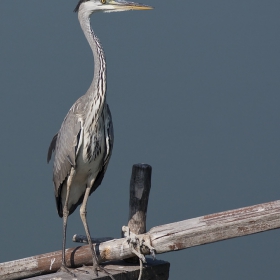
[[84, 143]]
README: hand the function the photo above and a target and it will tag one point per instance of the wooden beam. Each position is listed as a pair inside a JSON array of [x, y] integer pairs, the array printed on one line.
[[216, 227], [156, 270], [165, 238]]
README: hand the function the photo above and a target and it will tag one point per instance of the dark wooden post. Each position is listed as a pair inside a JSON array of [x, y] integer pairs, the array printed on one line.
[[140, 185]]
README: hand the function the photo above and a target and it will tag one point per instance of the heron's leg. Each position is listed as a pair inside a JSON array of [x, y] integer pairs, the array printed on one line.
[[83, 214], [65, 218]]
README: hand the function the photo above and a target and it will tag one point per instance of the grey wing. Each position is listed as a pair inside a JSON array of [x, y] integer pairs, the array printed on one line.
[[109, 132], [65, 145], [52, 148]]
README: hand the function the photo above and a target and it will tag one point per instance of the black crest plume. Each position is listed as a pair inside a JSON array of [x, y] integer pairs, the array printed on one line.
[[79, 4]]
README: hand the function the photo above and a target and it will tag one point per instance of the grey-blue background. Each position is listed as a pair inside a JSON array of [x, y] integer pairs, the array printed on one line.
[[193, 87]]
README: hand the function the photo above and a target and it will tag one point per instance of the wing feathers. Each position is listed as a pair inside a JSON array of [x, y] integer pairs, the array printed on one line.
[[66, 144], [51, 148]]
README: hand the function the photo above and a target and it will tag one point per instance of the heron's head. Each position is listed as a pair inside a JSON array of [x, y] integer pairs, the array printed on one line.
[[107, 6]]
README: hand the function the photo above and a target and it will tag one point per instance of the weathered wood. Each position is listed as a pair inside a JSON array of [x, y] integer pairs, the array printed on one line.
[[216, 227], [165, 238], [156, 270], [140, 185]]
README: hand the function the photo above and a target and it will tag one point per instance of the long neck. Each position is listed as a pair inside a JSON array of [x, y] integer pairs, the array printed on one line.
[[97, 90]]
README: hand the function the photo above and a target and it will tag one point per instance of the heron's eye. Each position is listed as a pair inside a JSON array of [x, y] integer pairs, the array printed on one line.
[[103, 1]]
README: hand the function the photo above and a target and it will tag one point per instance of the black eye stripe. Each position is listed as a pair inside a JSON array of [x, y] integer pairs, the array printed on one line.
[[79, 4]]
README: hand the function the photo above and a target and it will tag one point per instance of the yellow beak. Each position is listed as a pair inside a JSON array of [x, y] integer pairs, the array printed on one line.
[[125, 5]]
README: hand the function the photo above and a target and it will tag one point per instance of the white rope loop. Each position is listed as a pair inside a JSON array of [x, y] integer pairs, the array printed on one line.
[[136, 243]]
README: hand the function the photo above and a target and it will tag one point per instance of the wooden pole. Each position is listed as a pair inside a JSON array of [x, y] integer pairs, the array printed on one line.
[[165, 238], [140, 185]]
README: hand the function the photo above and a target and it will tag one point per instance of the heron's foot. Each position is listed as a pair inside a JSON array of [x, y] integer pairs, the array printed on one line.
[[100, 268], [95, 269], [83, 269], [65, 269]]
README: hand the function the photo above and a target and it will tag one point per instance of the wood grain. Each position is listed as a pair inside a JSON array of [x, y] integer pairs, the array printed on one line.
[[164, 238]]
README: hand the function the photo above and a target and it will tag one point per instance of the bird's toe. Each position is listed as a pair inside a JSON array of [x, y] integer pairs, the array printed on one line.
[[65, 269]]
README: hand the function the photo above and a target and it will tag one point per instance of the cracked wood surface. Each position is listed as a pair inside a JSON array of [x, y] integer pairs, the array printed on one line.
[[216, 227], [164, 238]]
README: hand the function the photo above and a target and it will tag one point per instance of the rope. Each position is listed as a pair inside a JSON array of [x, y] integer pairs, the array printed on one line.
[[135, 244]]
